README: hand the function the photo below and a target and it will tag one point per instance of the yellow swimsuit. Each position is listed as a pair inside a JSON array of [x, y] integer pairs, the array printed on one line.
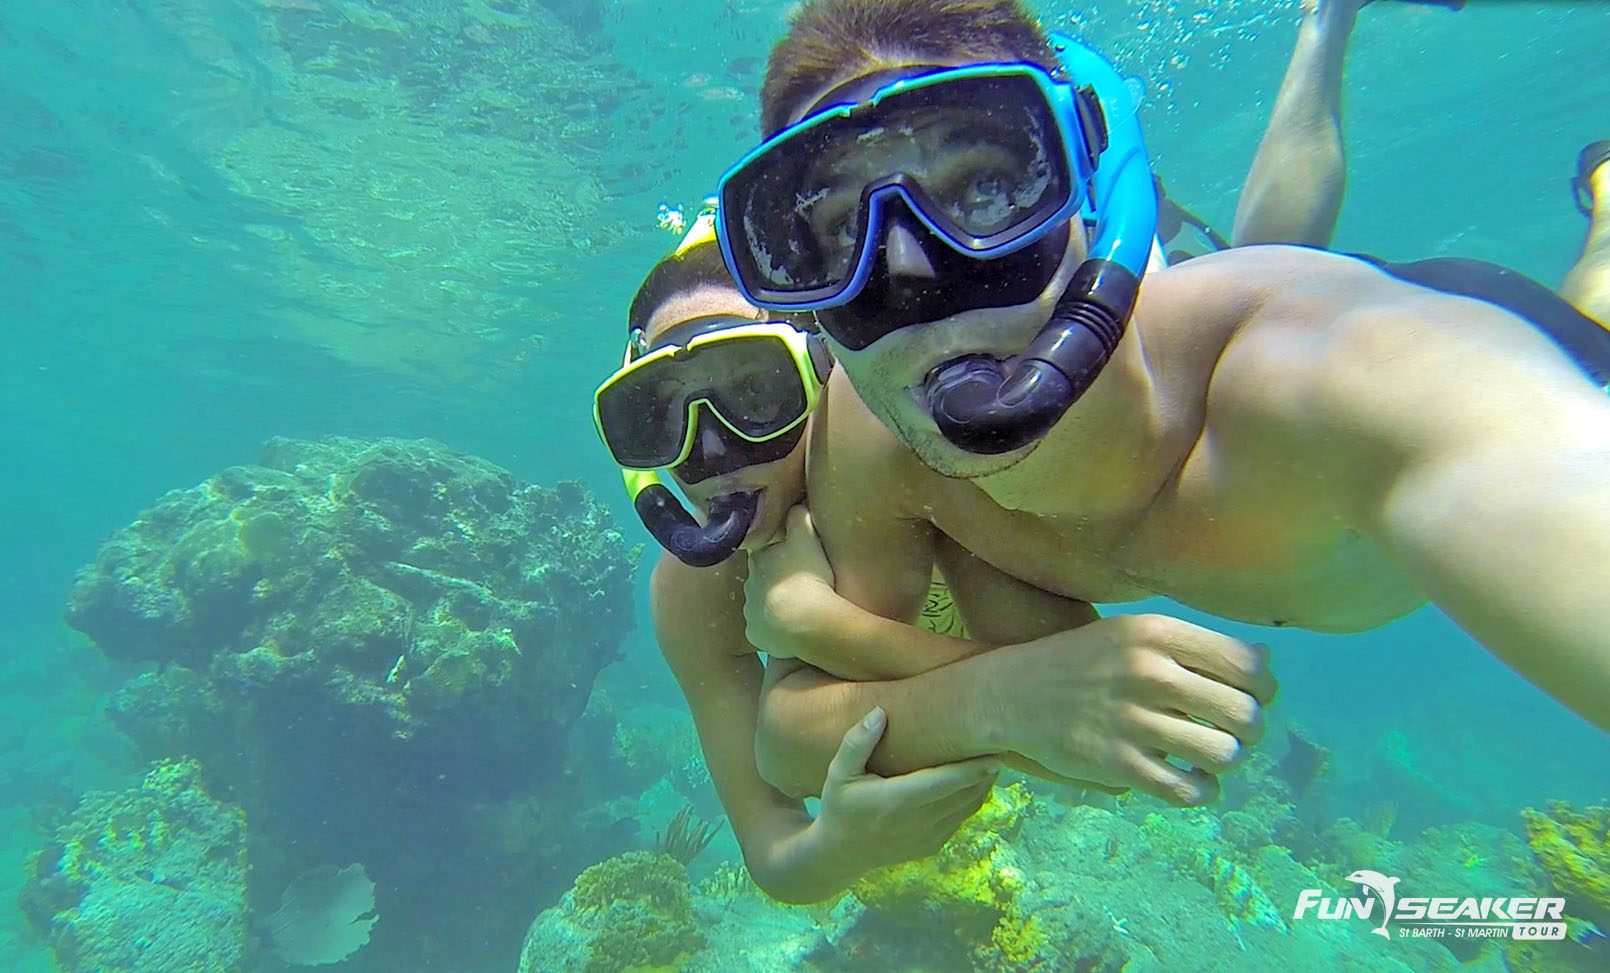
[[939, 612]]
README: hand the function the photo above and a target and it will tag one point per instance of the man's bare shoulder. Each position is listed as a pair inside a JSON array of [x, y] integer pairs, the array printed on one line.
[[1289, 313], [1322, 328], [1243, 328], [1334, 361]]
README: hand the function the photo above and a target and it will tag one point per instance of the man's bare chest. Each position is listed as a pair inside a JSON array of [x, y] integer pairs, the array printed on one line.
[[1255, 560]]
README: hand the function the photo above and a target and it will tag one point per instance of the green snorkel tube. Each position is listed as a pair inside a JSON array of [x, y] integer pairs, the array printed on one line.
[[986, 406]]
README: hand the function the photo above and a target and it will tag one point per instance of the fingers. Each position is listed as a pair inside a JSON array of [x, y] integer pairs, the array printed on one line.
[[963, 804], [799, 522], [1204, 747], [934, 824], [796, 529], [1228, 660], [849, 762], [1091, 785], [921, 787], [1034, 768], [1161, 779], [1206, 699]]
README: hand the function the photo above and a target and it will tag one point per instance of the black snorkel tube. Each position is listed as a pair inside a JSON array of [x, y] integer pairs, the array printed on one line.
[[694, 544], [986, 406]]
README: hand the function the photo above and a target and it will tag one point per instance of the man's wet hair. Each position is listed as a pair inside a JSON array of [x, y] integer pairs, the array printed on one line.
[[695, 269], [829, 41]]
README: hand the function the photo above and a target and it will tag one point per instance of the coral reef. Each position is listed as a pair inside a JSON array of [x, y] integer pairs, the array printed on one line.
[[633, 912], [1573, 848], [414, 589], [1242, 901], [374, 645], [150, 880], [655, 741], [1033, 885], [963, 901]]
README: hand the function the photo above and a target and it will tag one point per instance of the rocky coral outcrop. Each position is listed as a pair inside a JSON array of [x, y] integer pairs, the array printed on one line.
[[403, 589], [377, 647], [1573, 848], [631, 912], [149, 880], [963, 901]]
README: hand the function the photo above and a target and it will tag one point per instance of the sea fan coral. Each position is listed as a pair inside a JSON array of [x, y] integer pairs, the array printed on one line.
[[324, 916]]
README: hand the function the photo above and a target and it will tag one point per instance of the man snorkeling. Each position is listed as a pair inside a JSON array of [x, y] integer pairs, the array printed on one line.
[[700, 614], [1272, 434]]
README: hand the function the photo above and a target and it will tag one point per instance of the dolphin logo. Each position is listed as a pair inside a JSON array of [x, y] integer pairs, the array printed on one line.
[[1385, 889]]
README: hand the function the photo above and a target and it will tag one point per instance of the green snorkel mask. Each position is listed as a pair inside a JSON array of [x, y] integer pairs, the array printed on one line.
[[709, 397]]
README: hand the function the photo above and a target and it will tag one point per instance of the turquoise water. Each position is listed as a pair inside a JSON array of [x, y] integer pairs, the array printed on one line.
[[226, 221]]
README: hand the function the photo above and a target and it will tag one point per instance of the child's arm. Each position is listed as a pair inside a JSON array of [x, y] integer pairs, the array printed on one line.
[[865, 821], [791, 610]]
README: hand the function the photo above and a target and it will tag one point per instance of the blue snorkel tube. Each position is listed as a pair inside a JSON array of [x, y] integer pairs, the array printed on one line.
[[986, 406]]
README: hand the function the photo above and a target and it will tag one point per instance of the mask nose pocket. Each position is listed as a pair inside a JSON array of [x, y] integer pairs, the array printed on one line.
[[709, 442], [904, 252]]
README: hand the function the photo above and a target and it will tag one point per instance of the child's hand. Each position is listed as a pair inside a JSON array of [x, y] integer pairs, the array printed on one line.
[[788, 584], [867, 821]]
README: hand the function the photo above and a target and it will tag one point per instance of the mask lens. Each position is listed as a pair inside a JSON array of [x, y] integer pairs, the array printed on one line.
[[981, 156], [993, 171], [762, 392], [779, 217], [752, 382], [644, 418]]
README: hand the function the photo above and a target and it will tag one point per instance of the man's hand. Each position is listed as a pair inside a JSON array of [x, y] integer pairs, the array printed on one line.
[[788, 584], [870, 821], [1115, 701]]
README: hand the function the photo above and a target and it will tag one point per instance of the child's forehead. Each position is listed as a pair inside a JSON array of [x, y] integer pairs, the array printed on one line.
[[703, 302]]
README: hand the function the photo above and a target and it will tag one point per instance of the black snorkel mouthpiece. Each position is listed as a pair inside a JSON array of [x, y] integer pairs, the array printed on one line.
[[987, 407], [694, 544]]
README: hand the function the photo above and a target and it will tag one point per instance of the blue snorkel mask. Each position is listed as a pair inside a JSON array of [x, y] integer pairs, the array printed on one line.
[[985, 170]]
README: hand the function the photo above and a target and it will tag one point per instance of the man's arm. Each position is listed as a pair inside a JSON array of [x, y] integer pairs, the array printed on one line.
[[945, 713], [1490, 481], [999, 609], [1097, 703], [882, 561], [794, 612]]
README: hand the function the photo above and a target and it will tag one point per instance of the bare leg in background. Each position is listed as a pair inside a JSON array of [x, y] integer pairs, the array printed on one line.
[[1587, 286], [1293, 193]]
